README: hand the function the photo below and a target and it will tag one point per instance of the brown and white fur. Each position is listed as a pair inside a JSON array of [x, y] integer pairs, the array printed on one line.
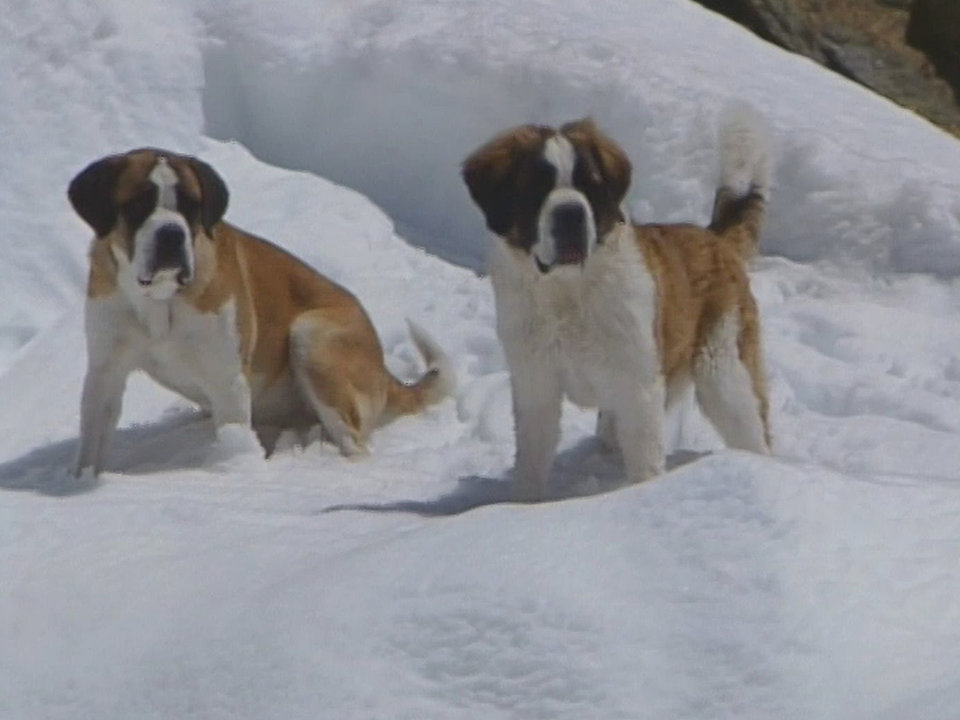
[[617, 315], [239, 326]]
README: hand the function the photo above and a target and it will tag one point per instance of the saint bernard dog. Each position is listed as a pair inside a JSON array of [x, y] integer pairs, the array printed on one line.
[[616, 315], [235, 324]]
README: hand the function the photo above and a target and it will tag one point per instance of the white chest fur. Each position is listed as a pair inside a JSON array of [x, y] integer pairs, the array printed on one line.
[[586, 326], [196, 354], [197, 346], [193, 353]]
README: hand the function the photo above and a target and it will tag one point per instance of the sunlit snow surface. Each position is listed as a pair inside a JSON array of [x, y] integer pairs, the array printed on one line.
[[197, 580]]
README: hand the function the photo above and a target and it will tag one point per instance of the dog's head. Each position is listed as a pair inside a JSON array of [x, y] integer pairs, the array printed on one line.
[[552, 194], [152, 207]]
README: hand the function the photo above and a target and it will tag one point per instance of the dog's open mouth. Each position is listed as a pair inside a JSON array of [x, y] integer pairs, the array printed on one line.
[[182, 277], [567, 256], [570, 256]]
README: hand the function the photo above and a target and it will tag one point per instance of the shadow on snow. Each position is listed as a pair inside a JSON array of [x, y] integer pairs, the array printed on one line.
[[47, 469], [579, 471]]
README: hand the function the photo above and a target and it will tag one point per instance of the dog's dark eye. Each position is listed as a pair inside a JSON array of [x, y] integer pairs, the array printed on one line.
[[586, 172], [541, 177], [138, 208], [188, 206]]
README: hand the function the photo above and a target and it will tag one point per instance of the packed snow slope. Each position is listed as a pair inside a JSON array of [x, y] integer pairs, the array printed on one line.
[[200, 580]]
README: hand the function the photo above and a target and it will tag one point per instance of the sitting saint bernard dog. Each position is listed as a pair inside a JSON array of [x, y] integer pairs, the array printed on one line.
[[614, 315], [230, 321]]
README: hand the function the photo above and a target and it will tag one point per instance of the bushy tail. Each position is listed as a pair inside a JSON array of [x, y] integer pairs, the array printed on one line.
[[433, 386], [745, 176]]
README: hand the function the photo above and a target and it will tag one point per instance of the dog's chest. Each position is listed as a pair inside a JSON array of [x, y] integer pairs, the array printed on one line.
[[585, 330], [580, 333], [185, 349]]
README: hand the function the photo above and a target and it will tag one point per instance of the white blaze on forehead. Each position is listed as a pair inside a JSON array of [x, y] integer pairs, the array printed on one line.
[[166, 181], [559, 152]]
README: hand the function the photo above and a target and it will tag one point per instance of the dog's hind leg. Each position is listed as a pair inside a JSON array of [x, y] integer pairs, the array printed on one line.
[[332, 374], [729, 384]]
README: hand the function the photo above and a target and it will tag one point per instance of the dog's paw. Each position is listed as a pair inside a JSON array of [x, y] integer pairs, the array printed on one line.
[[643, 474], [235, 441], [528, 492]]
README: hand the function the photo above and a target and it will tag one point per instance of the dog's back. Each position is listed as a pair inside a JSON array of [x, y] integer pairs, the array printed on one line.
[[702, 284]]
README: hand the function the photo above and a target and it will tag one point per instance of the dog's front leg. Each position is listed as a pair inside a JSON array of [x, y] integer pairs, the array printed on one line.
[[110, 360], [229, 400], [536, 411], [638, 415], [100, 407]]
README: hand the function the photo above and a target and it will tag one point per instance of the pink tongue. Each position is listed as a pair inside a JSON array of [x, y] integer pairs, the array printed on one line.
[[570, 256]]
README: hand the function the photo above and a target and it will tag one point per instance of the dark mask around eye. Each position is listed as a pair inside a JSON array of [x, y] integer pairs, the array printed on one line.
[[536, 178], [188, 206], [139, 207]]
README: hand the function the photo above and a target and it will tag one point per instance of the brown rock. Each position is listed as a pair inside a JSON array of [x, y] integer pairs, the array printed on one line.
[[934, 28], [864, 40], [898, 4], [775, 20]]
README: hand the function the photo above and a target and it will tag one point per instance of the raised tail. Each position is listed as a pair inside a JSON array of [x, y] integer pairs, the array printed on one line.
[[745, 175], [433, 386]]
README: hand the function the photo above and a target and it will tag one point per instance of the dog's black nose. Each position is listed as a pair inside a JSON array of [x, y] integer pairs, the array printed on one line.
[[569, 219], [170, 235], [569, 224], [169, 243]]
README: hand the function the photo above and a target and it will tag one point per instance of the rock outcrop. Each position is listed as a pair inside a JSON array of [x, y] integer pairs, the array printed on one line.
[[934, 28], [778, 21], [867, 41]]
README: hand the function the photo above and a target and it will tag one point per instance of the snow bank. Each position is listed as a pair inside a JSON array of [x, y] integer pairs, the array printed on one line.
[[393, 99], [388, 99], [77, 81], [736, 588]]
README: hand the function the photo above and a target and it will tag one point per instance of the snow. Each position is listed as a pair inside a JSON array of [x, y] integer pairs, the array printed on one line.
[[198, 579]]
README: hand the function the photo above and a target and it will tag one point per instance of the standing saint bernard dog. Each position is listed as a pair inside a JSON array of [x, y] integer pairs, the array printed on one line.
[[230, 321], [614, 315]]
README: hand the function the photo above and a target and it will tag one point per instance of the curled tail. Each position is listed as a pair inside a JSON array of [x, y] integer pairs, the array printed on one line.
[[745, 174], [433, 386]]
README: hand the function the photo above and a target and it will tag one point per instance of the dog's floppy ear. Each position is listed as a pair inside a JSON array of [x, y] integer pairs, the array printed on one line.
[[490, 173], [214, 194], [91, 193], [604, 155]]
